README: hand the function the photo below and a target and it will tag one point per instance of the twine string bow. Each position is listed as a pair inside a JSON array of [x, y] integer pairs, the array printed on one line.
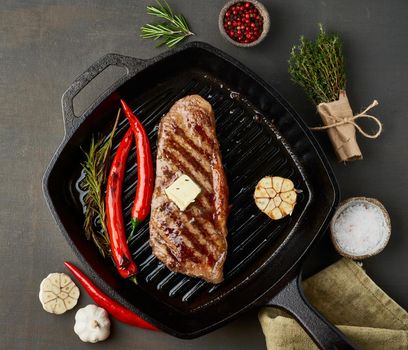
[[353, 120]]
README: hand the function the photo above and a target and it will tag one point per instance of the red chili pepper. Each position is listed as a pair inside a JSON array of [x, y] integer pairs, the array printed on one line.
[[114, 308], [114, 215], [144, 187]]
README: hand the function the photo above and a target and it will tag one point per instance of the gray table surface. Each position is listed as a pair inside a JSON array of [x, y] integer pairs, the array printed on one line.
[[45, 44]]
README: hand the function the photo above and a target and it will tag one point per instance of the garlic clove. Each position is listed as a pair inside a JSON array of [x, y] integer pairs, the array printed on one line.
[[47, 296], [48, 285], [261, 192], [286, 208], [70, 303], [63, 295], [59, 307], [277, 201], [65, 280], [275, 214], [262, 203], [265, 182], [277, 182], [271, 192], [287, 185], [271, 206], [74, 293], [289, 197], [49, 306], [54, 278]]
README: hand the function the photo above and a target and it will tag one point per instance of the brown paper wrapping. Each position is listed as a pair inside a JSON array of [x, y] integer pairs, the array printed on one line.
[[343, 137]]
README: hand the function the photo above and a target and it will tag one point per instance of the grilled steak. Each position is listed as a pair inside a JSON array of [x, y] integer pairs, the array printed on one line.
[[192, 242]]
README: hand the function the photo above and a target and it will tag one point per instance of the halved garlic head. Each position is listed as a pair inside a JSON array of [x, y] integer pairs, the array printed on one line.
[[58, 293], [275, 196]]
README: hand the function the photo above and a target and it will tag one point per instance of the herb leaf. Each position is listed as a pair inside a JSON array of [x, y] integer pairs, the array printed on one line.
[[170, 32]]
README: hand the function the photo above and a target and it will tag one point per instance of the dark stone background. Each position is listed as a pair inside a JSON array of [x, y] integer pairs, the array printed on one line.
[[45, 44]]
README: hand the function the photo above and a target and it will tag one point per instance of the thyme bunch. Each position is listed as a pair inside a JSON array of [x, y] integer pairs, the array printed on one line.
[[318, 67]]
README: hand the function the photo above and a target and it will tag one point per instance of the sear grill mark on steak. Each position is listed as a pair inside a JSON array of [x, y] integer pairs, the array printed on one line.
[[185, 154], [192, 242]]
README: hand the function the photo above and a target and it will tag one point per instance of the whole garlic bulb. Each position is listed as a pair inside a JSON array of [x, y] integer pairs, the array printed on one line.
[[92, 324], [58, 293], [275, 196]]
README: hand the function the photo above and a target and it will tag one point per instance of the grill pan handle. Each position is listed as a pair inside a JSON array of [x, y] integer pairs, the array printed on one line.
[[324, 334], [130, 64]]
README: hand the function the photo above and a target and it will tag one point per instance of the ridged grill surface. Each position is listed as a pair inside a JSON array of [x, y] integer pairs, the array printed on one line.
[[250, 150]]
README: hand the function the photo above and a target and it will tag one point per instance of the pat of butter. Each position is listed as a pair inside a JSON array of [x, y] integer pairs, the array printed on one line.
[[183, 192]]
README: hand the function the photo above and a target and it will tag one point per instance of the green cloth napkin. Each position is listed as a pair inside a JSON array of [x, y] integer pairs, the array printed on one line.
[[347, 297]]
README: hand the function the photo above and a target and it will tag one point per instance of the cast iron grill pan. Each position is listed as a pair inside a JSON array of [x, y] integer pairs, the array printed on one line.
[[259, 135], [245, 135]]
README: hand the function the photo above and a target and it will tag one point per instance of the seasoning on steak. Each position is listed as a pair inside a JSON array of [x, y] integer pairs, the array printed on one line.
[[192, 242]]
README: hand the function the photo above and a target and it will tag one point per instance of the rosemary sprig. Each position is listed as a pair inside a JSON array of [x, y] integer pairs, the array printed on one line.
[[96, 168], [170, 32], [318, 67]]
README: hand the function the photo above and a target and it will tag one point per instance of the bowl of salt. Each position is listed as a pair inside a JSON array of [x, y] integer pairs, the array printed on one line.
[[360, 228]]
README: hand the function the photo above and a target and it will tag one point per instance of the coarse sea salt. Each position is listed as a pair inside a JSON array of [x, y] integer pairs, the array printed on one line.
[[360, 229]]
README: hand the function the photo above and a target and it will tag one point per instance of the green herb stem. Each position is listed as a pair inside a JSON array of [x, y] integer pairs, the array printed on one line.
[[96, 168], [173, 30]]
